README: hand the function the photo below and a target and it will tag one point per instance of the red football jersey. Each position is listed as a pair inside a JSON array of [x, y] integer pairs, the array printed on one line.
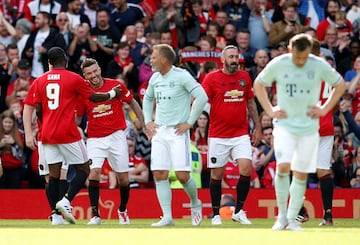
[[104, 118], [326, 122], [228, 95], [57, 91]]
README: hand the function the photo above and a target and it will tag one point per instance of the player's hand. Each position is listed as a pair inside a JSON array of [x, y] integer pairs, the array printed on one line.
[[150, 130], [117, 90], [257, 136], [278, 113], [315, 111], [31, 142], [181, 128]]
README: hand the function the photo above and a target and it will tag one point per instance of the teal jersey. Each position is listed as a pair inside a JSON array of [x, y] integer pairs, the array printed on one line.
[[298, 88], [172, 93]]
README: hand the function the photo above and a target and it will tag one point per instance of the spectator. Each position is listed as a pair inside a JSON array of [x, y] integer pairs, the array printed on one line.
[[332, 7], [238, 13], [12, 53], [355, 182], [31, 10], [18, 89], [266, 148], [39, 42], [74, 14], [90, 9], [199, 136], [259, 25], [124, 14], [81, 47], [138, 168], [353, 79], [341, 156], [278, 49], [288, 27], [221, 19], [341, 25], [243, 43], [167, 18], [261, 59], [202, 16], [23, 29], [214, 31], [355, 165], [7, 31], [4, 76], [123, 64], [63, 23], [138, 50], [106, 39], [12, 146]]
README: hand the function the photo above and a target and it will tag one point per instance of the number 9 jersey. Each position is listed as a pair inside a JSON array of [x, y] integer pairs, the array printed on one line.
[[57, 91]]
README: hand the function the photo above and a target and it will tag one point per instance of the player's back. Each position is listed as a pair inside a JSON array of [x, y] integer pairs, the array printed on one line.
[[57, 92]]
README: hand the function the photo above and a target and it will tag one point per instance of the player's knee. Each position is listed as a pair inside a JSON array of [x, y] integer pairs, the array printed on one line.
[[83, 167]]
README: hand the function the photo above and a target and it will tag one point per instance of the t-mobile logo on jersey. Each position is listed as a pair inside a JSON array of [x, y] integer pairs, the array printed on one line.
[[291, 89]]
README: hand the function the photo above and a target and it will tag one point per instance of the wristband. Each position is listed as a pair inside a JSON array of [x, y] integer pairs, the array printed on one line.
[[112, 94], [263, 16]]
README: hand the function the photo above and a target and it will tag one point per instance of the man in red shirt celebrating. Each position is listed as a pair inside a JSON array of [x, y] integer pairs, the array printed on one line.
[[231, 98], [54, 96], [107, 138]]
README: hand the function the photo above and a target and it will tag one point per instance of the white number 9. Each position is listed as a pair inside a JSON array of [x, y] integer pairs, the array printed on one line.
[[53, 94]]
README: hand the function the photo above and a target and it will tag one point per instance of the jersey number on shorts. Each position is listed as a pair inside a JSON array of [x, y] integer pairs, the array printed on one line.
[[53, 94]]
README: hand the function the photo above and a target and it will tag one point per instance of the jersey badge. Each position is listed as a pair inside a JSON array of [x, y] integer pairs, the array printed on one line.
[[242, 83]]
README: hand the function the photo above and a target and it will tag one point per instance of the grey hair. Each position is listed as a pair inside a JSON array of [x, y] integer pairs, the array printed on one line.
[[24, 25]]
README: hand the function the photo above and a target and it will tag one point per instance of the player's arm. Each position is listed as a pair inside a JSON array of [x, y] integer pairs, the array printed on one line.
[[150, 126], [99, 97], [138, 112], [198, 104], [30, 139], [253, 112]]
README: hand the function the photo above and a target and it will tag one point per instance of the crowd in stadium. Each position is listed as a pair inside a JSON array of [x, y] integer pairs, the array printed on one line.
[[120, 34]]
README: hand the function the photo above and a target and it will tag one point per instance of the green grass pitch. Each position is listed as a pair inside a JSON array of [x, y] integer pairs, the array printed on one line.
[[344, 231]]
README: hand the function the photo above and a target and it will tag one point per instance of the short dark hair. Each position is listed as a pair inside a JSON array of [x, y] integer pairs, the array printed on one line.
[[301, 42], [102, 9], [56, 56], [88, 62]]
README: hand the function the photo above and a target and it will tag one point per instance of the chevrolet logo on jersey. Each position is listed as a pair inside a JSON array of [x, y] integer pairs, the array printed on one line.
[[101, 108], [234, 93]]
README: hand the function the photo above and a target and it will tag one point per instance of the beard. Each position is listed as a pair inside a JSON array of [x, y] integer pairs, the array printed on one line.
[[232, 68]]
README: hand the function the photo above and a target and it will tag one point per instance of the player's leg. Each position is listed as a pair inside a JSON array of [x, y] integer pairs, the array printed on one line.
[[284, 144], [242, 153], [324, 175], [119, 160], [160, 165], [304, 162], [97, 152], [181, 160], [218, 155], [74, 154]]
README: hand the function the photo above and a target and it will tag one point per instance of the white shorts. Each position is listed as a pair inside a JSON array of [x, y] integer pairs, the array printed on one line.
[[72, 153], [325, 150], [168, 149], [113, 147], [221, 149], [43, 166], [300, 151]]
